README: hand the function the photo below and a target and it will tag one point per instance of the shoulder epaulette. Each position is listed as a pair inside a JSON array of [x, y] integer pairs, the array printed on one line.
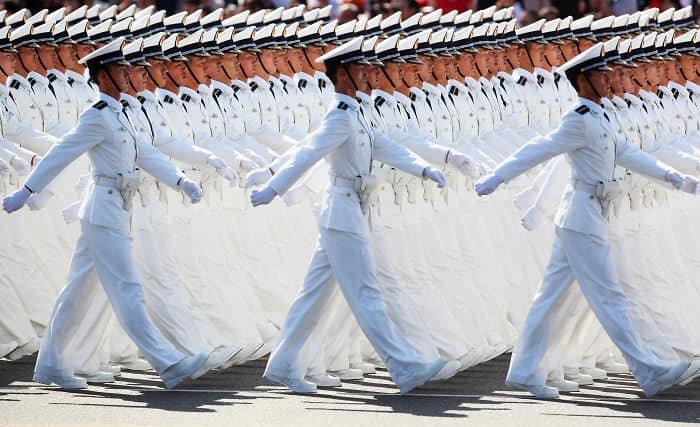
[[540, 80], [141, 99], [675, 92], [99, 105], [71, 80], [52, 77], [235, 88], [321, 83], [582, 110], [169, 99], [343, 106], [124, 103], [412, 96], [14, 84], [522, 80], [454, 90], [32, 81], [660, 94], [379, 101], [253, 86], [217, 93], [629, 103], [185, 97], [302, 83]]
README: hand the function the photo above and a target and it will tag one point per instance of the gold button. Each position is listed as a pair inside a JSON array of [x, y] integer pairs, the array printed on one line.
[[590, 197], [348, 194], [109, 191]]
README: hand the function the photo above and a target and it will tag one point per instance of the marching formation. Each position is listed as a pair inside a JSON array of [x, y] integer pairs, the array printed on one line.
[[142, 143]]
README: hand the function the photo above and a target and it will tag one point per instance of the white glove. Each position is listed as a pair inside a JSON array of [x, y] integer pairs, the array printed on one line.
[[532, 218], [526, 197], [488, 184], [82, 184], [70, 212], [40, 200], [216, 162], [674, 178], [262, 197], [296, 195], [464, 164], [191, 189], [230, 175], [246, 166], [252, 155], [21, 166], [690, 185], [4, 168], [435, 175], [16, 200], [257, 177]]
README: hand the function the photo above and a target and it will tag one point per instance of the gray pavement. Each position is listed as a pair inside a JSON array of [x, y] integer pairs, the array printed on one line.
[[240, 397]]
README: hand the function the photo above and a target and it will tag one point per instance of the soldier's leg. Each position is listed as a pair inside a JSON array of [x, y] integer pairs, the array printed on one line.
[[591, 260], [531, 361], [111, 253], [350, 256]]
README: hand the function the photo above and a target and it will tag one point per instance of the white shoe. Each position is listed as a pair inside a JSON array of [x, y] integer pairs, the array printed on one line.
[[96, 377], [366, 368], [470, 358], [579, 379], [690, 374], [220, 356], [140, 365], [563, 386], [324, 380], [186, 368], [295, 385], [66, 383], [348, 374], [539, 391], [597, 374], [265, 349], [448, 371], [27, 349], [112, 369], [614, 368]]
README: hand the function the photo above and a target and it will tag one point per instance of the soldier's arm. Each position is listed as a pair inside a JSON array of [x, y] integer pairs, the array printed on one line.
[[89, 132], [398, 156], [631, 157], [156, 164]]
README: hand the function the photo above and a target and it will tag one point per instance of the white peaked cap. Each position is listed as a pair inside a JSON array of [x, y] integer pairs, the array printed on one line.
[[345, 50], [77, 14], [256, 18], [126, 13], [590, 59], [273, 15], [107, 54], [449, 17], [463, 18], [311, 15], [244, 34], [145, 12], [387, 44], [212, 18], [109, 13], [236, 20], [391, 21]]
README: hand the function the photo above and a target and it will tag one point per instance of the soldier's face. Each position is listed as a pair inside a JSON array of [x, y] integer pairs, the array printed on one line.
[[296, 59], [687, 64], [538, 56], [68, 55], [652, 72], [49, 57], [425, 69], [8, 62], [584, 44], [553, 54], [358, 73], [198, 68], [374, 76], [158, 72], [439, 67], [601, 82], [138, 76], [30, 59], [213, 68], [615, 82], [120, 75], [84, 49], [179, 73], [249, 63], [628, 85], [569, 49], [267, 57], [282, 62], [483, 63]]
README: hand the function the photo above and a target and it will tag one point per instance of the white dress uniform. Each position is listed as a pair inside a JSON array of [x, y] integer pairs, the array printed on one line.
[[581, 250], [103, 252], [343, 252], [29, 110], [84, 93], [69, 109], [48, 104]]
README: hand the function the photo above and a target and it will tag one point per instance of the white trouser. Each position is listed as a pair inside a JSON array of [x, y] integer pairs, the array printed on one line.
[[588, 260], [346, 259], [102, 255]]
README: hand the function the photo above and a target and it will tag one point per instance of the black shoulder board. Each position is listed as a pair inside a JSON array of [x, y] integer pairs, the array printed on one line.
[[52, 77], [185, 97], [454, 90], [253, 86], [557, 77], [235, 88], [14, 84], [629, 103], [321, 83], [522, 80], [124, 103], [169, 99], [99, 105], [141, 99], [32, 81], [379, 101], [302, 83], [217, 93], [582, 109], [675, 92], [343, 106], [412, 96], [660, 94], [540, 80], [71, 80]]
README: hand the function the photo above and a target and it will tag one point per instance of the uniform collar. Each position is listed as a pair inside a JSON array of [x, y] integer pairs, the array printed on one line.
[[502, 75], [518, 73], [164, 94], [634, 100], [666, 91], [544, 73], [70, 74], [288, 80], [38, 78], [215, 84], [364, 98], [485, 82], [607, 104], [19, 79], [431, 88], [619, 103], [111, 102], [59, 75], [678, 87], [693, 87], [133, 102], [400, 97], [351, 102], [3, 90], [304, 76], [187, 92], [378, 93], [471, 83], [203, 90], [457, 84], [148, 96], [417, 93], [260, 82], [321, 76], [595, 108], [240, 84]]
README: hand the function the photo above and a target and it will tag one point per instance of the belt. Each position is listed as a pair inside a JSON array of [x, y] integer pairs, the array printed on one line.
[[105, 181], [591, 189], [343, 182]]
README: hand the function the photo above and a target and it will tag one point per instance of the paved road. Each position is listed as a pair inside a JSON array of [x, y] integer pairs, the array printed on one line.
[[239, 396]]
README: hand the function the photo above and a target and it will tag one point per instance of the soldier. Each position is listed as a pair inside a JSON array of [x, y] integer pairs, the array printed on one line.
[[103, 251]]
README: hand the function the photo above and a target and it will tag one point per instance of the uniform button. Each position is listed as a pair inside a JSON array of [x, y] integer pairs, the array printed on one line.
[[109, 191], [591, 197], [348, 194]]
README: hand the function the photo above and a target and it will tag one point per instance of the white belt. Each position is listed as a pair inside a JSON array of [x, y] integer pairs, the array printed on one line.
[[591, 189], [338, 181], [105, 181]]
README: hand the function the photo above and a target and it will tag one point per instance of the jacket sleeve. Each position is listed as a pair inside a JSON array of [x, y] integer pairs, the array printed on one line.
[[398, 156], [631, 157], [273, 139], [88, 133], [184, 151], [28, 137], [569, 136], [334, 131], [156, 164], [433, 153]]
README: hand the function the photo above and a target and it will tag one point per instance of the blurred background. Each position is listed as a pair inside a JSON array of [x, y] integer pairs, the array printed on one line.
[[526, 11]]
